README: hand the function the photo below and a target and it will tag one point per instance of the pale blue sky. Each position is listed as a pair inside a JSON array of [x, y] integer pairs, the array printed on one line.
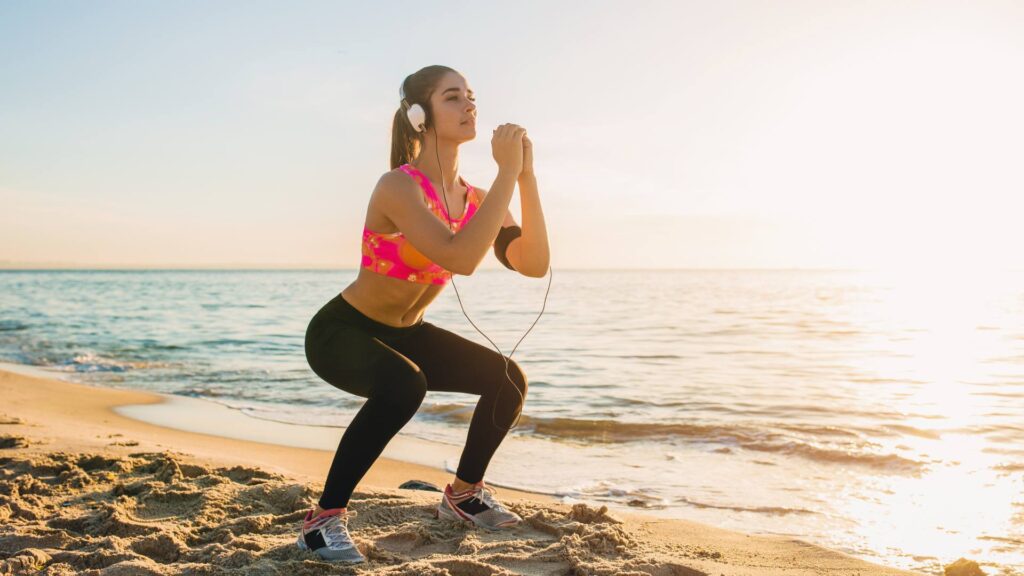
[[735, 134]]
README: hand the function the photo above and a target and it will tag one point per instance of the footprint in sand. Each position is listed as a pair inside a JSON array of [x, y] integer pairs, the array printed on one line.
[[25, 561], [124, 443], [9, 441]]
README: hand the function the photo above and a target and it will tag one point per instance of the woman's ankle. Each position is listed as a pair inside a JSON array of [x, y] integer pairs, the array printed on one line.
[[317, 510], [461, 486]]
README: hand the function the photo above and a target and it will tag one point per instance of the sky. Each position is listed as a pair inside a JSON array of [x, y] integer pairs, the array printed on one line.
[[676, 134]]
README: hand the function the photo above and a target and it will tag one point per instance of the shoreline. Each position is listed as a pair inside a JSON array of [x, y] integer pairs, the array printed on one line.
[[115, 407], [44, 417]]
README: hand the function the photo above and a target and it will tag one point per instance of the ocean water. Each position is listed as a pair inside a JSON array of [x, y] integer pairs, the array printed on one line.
[[880, 414]]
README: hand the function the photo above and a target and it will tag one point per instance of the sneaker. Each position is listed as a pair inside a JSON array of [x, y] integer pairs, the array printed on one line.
[[476, 505], [327, 535]]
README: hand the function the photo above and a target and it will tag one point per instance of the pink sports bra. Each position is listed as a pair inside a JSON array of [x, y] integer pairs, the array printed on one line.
[[391, 254]]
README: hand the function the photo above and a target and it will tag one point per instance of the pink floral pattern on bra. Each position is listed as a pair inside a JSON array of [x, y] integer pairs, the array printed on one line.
[[391, 254]]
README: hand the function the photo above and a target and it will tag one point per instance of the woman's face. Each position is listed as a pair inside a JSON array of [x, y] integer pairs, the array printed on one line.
[[454, 108]]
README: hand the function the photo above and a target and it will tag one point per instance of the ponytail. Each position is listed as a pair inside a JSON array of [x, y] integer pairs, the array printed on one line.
[[405, 142]]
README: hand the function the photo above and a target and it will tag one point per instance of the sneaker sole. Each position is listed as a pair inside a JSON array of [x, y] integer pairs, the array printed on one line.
[[302, 546]]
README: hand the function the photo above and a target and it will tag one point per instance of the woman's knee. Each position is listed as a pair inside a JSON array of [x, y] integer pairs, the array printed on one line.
[[518, 377]]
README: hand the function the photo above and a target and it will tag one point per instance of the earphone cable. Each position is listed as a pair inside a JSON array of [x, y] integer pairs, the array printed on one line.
[[444, 192]]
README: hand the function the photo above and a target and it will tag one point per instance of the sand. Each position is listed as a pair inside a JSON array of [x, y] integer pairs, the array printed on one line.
[[84, 490]]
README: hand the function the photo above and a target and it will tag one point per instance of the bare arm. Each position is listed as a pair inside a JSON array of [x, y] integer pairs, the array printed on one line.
[[457, 252], [530, 251], [402, 203], [512, 252], [475, 238]]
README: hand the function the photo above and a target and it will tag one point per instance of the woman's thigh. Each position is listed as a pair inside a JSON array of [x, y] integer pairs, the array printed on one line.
[[452, 363], [354, 360]]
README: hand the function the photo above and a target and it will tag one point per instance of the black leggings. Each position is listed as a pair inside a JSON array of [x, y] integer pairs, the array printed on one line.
[[393, 367]]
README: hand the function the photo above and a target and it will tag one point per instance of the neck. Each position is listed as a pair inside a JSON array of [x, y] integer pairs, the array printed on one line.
[[427, 161]]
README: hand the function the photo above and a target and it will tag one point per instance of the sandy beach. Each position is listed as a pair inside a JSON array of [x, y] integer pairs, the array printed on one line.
[[85, 490]]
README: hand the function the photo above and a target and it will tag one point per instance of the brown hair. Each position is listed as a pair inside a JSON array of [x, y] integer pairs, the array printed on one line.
[[419, 86]]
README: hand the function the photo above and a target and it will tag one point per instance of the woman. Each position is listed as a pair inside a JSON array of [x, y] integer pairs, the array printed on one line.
[[371, 339]]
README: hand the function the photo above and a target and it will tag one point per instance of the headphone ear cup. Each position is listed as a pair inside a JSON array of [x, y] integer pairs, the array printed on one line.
[[417, 117]]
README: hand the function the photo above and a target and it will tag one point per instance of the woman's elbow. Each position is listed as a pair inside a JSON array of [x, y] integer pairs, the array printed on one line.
[[463, 266], [462, 269], [466, 272], [536, 273]]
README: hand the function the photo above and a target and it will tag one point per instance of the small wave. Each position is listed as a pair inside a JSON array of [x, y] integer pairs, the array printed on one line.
[[451, 412], [912, 431], [999, 394], [227, 342], [606, 491], [198, 393], [769, 510], [888, 462], [1009, 467], [1017, 542], [91, 362], [12, 326], [748, 438], [819, 430], [165, 347], [142, 348]]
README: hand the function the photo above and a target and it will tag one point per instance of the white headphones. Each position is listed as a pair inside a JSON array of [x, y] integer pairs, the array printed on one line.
[[416, 114]]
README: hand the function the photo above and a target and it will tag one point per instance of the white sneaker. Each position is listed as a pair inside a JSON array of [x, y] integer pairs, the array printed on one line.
[[476, 505], [328, 536]]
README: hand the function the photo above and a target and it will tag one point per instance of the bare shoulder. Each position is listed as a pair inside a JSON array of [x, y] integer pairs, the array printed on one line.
[[393, 189], [397, 185], [396, 180]]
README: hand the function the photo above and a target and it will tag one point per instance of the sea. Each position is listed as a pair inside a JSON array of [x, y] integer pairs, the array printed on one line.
[[879, 413]]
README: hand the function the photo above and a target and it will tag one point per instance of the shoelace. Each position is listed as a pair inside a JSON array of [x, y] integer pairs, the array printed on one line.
[[337, 528], [488, 495]]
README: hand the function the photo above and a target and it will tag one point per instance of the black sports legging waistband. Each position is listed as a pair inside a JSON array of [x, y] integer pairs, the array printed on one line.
[[341, 309], [393, 368]]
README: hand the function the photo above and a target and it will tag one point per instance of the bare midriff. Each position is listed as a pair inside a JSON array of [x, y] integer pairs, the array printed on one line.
[[388, 300]]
